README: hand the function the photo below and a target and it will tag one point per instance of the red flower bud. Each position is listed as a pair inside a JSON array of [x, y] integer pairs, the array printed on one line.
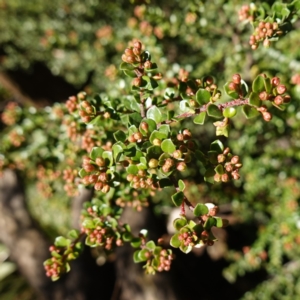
[[236, 78], [281, 89]]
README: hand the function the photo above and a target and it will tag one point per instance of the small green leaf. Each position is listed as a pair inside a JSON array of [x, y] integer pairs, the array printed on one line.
[[136, 242], [174, 242], [186, 249], [157, 250], [132, 169], [136, 256], [165, 182], [155, 114], [209, 223], [167, 146], [130, 73], [203, 96], [154, 152], [179, 223], [217, 146], [82, 173], [73, 234], [150, 245], [96, 121], [250, 112], [126, 66], [229, 112], [268, 85], [178, 198], [157, 135], [200, 210], [219, 222], [117, 151], [258, 84], [108, 156], [127, 237], [88, 223], [244, 88], [209, 175], [120, 136], [200, 119], [181, 185], [219, 169], [184, 107], [55, 254], [169, 93], [96, 152], [61, 241], [214, 111], [213, 157], [165, 129], [130, 150], [143, 255], [254, 99], [201, 157]]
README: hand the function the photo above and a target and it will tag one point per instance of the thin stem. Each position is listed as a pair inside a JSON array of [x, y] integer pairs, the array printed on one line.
[[236, 102]]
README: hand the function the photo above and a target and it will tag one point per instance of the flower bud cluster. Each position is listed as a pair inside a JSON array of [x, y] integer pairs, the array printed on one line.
[[102, 233], [278, 96], [137, 202], [89, 140], [188, 238], [141, 180], [96, 174], [132, 55], [61, 256], [264, 32], [231, 166], [179, 158], [72, 104], [245, 13], [11, 114], [56, 267], [165, 260], [212, 87], [86, 111], [16, 138], [72, 128], [45, 179], [70, 187]]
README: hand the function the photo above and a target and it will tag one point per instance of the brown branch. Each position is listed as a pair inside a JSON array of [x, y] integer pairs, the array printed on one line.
[[203, 108]]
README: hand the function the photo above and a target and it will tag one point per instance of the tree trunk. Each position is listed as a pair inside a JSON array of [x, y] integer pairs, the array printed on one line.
[[29, 249]]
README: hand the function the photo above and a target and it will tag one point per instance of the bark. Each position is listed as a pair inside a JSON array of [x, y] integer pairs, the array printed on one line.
[[132, 282], [29, 248]]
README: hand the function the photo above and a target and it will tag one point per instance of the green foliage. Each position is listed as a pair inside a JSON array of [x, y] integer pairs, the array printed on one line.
[[153, 128]]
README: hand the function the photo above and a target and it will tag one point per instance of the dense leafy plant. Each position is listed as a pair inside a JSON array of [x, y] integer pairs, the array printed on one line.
[[137, 139]]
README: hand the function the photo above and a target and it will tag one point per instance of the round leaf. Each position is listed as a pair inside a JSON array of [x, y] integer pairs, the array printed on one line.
[[200, 210], [174, 242], [203, 96], [167, 146], [178, 198], [214, 111], [200, 119], [155, 114], [179, 223]]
